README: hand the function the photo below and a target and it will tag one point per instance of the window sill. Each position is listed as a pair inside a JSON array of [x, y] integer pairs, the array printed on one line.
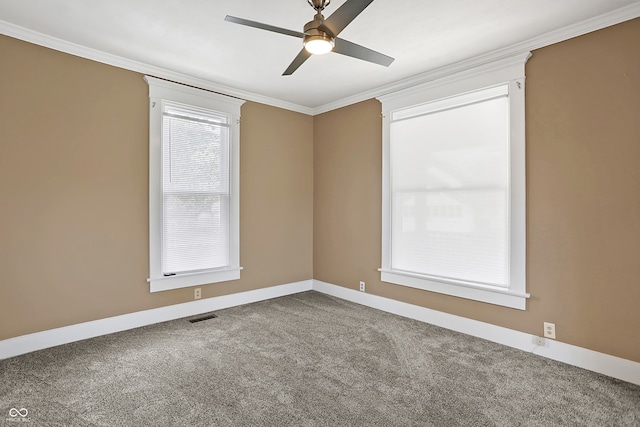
[[489, 294], [178, 281]]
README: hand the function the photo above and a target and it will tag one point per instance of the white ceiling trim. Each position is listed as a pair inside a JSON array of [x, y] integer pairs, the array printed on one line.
[[612, 18], [54, 43]]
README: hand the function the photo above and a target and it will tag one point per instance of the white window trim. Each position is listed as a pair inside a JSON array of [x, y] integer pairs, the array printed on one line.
[[159, 90], [509, 70]]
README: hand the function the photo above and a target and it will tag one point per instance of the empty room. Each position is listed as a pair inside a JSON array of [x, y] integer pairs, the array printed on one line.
[[320, 213]]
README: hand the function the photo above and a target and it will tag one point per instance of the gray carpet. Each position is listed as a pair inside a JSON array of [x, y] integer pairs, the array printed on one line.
[[304, 360]]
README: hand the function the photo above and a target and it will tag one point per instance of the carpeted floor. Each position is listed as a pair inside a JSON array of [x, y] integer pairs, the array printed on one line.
[[304, 360]]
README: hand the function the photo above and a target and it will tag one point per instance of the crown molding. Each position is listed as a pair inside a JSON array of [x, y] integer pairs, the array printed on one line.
[[587, 26], [64, 46], [512, 65], [593, 24]]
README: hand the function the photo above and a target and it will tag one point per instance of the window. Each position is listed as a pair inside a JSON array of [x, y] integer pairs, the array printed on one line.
[[454, 185], [193, 186]]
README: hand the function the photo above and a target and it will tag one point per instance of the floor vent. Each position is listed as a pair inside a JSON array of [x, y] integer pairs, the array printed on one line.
[[201, 318]]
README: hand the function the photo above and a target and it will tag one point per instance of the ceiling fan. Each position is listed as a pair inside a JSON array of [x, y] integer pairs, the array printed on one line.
[[321, 35]]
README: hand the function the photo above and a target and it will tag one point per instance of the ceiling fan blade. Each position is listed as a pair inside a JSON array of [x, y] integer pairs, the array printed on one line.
[[262, 26], [356, 51], [297, 62], [344, 15]]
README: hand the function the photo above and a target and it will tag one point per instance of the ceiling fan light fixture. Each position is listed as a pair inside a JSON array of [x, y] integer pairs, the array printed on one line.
[[319, 44]]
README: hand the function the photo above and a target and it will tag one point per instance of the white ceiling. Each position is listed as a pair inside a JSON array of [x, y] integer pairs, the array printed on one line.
[[192, 38]]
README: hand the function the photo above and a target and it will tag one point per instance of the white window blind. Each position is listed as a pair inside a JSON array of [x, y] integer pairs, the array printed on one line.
[[450, 188], [195, 189]]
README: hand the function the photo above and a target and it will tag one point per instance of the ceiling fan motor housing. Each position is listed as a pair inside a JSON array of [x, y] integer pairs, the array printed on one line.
[[312, 31]]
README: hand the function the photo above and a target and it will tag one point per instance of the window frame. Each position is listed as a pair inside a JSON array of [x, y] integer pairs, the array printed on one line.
[[511, 71], [159, 91]]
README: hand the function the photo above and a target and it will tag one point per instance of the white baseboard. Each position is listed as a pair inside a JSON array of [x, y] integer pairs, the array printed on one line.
[[40, 340], [601, 363]]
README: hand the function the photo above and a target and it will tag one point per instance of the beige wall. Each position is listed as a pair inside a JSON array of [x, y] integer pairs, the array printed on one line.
[[74, 177], [74, 190], [583, 197]]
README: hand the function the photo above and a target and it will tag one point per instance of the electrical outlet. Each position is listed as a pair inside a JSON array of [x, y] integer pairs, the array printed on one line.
[[550, 330], [197, 293], [361, 286], [538, 340]]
